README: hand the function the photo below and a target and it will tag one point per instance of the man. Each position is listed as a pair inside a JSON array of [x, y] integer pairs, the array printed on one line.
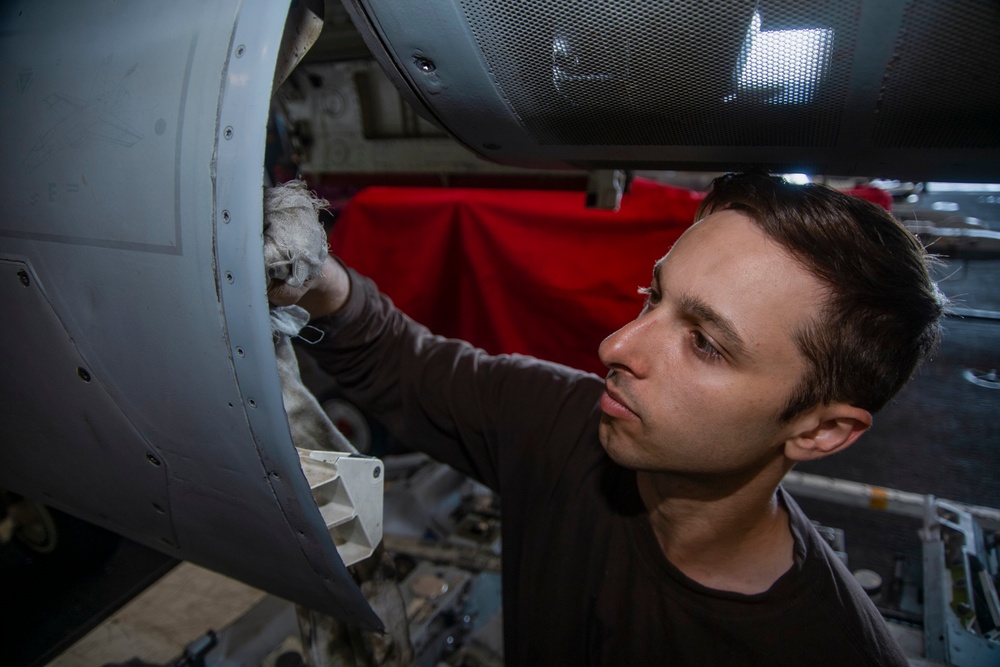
[[643, 522]]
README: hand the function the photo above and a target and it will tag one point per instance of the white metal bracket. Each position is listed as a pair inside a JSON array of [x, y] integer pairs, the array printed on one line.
[[348, 491]]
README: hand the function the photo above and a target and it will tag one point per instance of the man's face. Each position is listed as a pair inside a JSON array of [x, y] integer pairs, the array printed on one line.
[[698, 379]]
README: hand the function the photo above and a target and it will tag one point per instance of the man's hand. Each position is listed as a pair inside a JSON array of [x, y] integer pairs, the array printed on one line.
[[323, 295], [280, 293]]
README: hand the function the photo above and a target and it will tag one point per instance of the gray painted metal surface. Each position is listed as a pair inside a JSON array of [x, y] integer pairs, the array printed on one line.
[[432, 53], [137, 378]]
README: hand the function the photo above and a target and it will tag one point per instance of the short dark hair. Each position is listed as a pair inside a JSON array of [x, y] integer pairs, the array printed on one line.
[[882, 313]]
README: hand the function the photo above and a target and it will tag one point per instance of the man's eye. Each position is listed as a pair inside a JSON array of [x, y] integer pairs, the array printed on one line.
[[704, 346]]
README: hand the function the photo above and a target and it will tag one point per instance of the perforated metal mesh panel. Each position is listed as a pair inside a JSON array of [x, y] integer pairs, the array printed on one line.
[[942, 88], [675, 72], [889, 88], [771, 73]]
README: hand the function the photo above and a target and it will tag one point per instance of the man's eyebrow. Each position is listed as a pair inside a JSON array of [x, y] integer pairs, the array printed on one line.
[[733, 341]]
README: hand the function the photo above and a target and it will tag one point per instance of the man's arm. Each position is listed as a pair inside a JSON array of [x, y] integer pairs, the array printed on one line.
[[481, 414]]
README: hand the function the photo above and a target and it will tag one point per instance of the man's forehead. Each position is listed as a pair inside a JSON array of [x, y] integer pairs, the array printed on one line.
[[680, 245], [722, 218]]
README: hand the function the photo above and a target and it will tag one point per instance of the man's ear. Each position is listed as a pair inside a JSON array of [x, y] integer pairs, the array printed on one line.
[[825, 430]]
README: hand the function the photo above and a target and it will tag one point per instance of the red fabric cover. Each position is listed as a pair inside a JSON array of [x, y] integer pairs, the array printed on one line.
[[523, 271], [872, 194], [514, 270]]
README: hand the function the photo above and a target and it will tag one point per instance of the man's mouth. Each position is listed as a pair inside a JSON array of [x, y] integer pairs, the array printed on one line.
[[613, 405]]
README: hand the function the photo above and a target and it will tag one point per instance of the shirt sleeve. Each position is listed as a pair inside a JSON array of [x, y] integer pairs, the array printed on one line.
[[487, 416]]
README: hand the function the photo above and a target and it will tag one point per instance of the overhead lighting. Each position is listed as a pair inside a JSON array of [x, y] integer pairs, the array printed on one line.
[[785, 66], [797, 179]]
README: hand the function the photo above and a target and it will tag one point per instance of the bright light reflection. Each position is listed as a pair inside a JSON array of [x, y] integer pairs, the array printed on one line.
[[797, 179], [785, 65], [962, 187]]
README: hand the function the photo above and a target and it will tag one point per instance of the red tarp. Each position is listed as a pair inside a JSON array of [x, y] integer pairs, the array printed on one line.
[[513, 270], [517, 270]]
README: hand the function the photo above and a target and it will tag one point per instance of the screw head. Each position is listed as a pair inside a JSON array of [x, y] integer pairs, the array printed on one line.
[[424, 64], [22, 275], [84, 375], [240, 50], [228, 132], [152, 459]]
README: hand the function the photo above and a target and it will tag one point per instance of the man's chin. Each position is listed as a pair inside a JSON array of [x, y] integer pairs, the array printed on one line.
[[616, 446]]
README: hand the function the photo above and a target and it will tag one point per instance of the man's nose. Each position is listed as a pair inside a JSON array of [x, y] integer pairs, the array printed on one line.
[[622, 351]]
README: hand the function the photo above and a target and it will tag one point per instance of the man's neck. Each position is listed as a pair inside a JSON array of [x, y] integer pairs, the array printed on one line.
[[734, 538]]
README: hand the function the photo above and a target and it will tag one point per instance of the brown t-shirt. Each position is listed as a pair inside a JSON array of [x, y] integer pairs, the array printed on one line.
[[584, 580]]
